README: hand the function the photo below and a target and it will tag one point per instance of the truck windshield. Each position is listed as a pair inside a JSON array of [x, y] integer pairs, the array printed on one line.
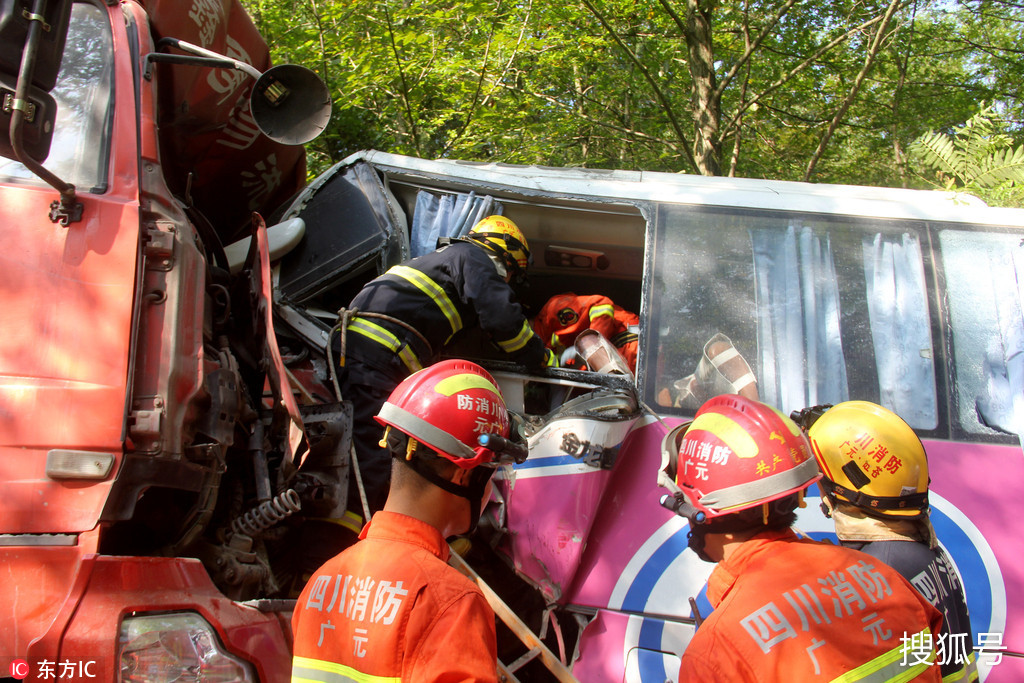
[[81, 141], [823, 309]]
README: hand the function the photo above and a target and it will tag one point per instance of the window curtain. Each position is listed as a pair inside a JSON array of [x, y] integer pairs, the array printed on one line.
[[797, 308], [900, 328], [1002, 407], [447, 215]]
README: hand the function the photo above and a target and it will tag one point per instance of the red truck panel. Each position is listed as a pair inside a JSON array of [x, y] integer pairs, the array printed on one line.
[[70, 606]]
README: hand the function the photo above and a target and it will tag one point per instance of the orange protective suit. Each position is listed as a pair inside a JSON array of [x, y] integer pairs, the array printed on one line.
[[564, 316], [790, 609], [391, 607]]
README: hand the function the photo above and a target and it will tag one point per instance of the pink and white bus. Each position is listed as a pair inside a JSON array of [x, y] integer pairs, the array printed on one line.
[[911, 299]]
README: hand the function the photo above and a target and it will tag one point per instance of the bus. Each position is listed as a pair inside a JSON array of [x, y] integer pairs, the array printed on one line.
[[910, 299]]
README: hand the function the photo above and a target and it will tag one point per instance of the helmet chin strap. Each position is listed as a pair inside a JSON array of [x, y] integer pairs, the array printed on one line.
[[473, 493], [697, 537], [828, 504]]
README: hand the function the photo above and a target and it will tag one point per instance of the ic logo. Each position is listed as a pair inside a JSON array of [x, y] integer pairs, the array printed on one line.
[[19, 669]]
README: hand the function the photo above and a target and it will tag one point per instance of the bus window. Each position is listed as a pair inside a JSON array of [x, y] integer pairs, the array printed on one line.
[[985, 288], [897, 301], [822, 309]]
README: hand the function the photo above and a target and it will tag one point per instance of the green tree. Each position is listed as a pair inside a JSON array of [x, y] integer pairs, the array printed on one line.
[[832, 92]]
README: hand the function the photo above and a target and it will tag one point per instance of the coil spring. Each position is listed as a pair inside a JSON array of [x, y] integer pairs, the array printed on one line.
[[266, 515]]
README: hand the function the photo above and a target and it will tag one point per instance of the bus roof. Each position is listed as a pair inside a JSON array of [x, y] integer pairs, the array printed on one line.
[[681, 188]]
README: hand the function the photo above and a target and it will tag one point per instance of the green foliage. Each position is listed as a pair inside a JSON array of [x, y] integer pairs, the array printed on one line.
[[772, 89], [976, 158]]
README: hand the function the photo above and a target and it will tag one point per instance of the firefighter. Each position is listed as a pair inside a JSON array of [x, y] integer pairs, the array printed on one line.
[[564, 316], [786, 608], [400, 322], [875, 489], [389, 607]]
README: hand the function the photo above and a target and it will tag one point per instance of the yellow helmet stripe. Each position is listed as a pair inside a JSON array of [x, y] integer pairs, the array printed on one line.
[[433, 290], [726, 429], [468, 380]]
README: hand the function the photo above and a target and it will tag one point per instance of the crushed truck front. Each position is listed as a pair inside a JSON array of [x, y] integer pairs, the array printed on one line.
[[132, 365]]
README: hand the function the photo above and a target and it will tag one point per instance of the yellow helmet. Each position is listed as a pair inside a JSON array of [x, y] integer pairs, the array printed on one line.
[[504, 238], [871, 458]]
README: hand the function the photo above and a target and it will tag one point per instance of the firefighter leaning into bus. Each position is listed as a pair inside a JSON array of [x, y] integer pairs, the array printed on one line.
[[389, 607], [785, 608], [565, 316], [875, 489], [400, 321]]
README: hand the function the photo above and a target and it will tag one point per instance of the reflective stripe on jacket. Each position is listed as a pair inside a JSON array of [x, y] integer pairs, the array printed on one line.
[[790, 609], [441, 293], [390, 609], [383, 336]]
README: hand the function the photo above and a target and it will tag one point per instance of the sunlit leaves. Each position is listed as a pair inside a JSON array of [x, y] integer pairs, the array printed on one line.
[[613, 83], [976, 157]]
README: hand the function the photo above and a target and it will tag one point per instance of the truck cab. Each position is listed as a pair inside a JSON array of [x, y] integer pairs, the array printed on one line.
[[140, 442]]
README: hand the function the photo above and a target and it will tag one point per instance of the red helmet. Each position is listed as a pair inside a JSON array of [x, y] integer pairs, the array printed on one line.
[[448, 406], [739, 453]]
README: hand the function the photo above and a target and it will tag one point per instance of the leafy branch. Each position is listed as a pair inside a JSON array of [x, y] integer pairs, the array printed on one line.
[[975, 157]]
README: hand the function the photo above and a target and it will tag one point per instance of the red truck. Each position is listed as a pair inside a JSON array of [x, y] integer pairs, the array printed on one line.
[[145, 439]]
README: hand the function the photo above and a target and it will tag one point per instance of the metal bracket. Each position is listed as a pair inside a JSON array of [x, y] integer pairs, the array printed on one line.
[[145, 424], [159, 245], [12, 104], [32, 16], [66, 210]]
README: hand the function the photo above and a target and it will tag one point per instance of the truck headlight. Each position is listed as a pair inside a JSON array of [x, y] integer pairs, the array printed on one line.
[[164, 648]]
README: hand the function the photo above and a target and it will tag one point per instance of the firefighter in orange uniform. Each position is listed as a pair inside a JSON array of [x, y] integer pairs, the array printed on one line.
[[390, 608], [564, 316], [785, 608]]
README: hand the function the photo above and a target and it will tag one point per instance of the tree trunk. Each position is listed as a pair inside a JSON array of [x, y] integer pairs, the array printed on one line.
[[706, 107]]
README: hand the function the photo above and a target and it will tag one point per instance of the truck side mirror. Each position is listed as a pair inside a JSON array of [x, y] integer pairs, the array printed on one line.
[[290, 104], [16, 17], [32, 37], [40, 112]]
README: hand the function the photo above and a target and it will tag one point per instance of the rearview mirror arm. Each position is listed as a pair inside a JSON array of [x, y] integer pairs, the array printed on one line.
[[67, 209], [204, 58]]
